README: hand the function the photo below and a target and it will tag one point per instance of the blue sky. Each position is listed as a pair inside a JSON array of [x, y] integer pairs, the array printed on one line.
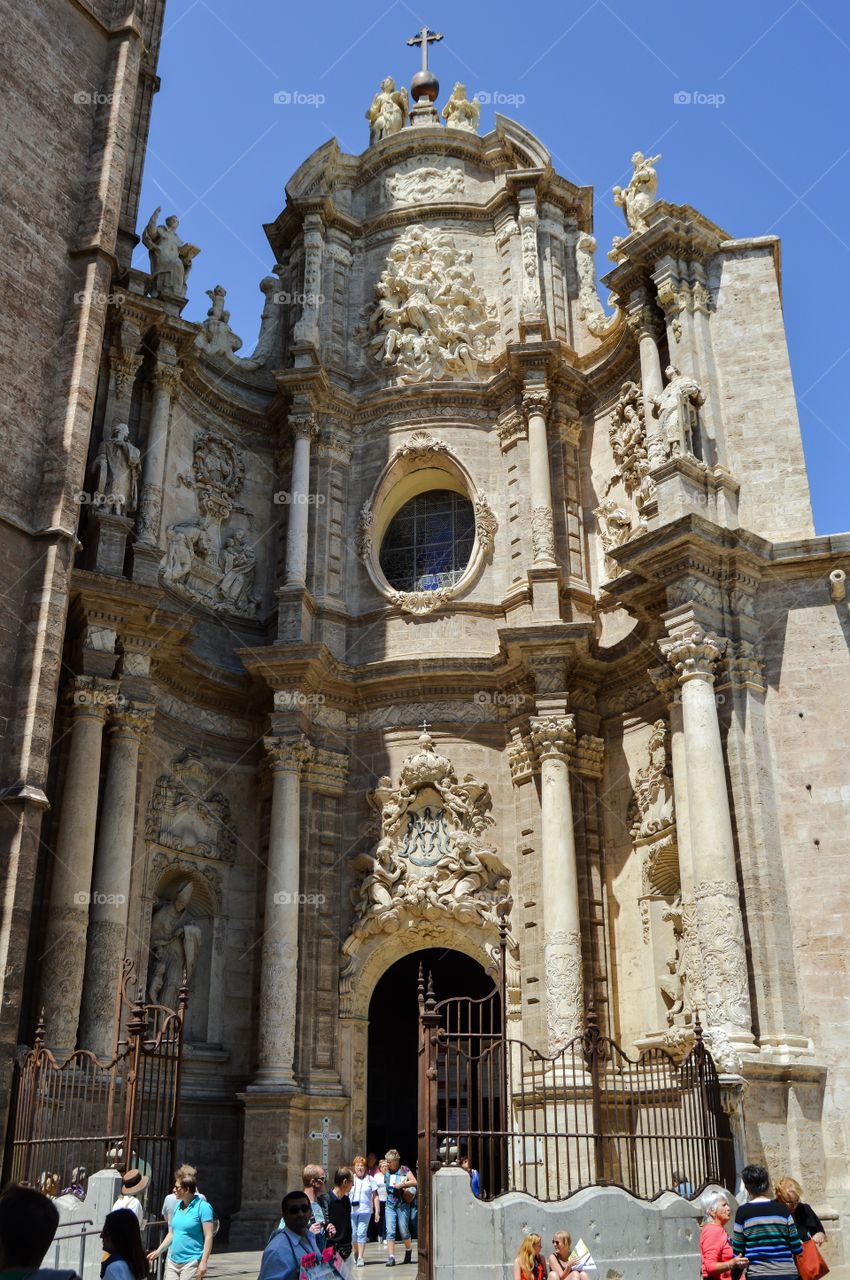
[[762, 146]]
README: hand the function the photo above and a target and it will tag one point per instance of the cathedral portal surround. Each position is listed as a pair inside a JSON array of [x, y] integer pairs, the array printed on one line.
[[462, 599]]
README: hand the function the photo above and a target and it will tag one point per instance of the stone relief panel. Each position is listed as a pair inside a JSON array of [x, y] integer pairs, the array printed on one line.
[[205, 561], [425, 184], [430, 321], [187, 815]]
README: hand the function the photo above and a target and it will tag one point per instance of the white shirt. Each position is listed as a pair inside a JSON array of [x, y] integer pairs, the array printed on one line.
[[361, 1194], [131, 1202]]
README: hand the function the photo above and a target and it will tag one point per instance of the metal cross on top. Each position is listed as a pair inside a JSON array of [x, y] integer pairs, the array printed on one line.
[[425, 725], [425, 37], [326, 1137]]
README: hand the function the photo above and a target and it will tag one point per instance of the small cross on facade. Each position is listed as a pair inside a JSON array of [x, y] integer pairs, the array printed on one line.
[[325, 1136], [425, 725], [424, 38]]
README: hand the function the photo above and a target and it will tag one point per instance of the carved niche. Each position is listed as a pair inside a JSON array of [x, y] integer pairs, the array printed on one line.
[[430, 321], [432, 860], [185, 813]]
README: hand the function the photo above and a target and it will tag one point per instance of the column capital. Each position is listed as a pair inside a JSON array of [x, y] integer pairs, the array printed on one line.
[[536, 399], [742, 667], [693, 653], [91, 696], [123, 365], [288, 755], [554, 737], [589, 756], [327, 770], [644, 321], [521, 761], [666, 682], [166, 377], [132, 720], [304, 426]]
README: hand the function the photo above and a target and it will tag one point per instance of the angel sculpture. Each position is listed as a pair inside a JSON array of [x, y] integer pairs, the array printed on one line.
[[641, 193], [388, 111], [459, 112]]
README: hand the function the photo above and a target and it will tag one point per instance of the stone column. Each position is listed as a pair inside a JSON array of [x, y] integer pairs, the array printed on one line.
[[692, 653], [535, 405], [64, 954], [279, 977], [166, 380], [306, 332], [130, 725], [554, 739], [297, 534], [645, 323]]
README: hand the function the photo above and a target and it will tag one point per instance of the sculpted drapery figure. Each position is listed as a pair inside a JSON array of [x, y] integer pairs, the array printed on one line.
[[641, 192], [388, 111], [459, 112], [171, 257], [174, 946], [239, 562], [216, 337], [117, 466], [677, 410]]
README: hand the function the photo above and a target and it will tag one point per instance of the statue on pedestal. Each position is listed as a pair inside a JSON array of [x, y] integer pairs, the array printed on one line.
[[677, 410], [641, 193], [216, 337], [171, 257], [388, 111], [117, 466], [239, 562], [174, 947]]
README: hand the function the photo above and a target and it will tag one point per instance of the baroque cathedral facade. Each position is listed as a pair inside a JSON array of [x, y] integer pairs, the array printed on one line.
[[462, 599]]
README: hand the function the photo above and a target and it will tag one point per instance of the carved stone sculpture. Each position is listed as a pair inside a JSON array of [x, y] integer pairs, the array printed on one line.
[[186, 814], [459, 112], [431, 319], [615, 527], [651, 810], [239, 562], [425, 185], [641, 192], [673, 983], [117, 466], [184, 541], [268, 340], [677, 410], [170, 257], [628, 436], [174, 946], [216, 337], [590, 309], [388, 112], [431, 859]]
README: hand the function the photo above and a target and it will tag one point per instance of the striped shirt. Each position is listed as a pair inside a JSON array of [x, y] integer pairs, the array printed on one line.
[[766, 1234]]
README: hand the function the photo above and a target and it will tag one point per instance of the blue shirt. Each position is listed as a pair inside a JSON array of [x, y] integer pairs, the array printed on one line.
[[283, 1254], [188, 1233]]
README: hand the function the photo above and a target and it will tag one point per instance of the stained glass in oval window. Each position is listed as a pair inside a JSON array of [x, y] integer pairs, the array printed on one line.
[[428, 542]]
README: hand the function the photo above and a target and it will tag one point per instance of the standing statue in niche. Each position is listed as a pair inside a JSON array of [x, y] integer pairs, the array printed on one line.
[[677, 410], [171, 257], [641, 193], [388, 111], [117, 465], [174, 946], [239, 562]]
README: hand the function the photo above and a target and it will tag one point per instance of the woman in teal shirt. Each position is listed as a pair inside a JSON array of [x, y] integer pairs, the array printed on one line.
[[189, 1242]]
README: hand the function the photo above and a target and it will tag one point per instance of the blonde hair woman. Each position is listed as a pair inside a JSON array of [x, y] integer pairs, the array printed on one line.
[[807, 1222], [529, 1264], [559, 1262]]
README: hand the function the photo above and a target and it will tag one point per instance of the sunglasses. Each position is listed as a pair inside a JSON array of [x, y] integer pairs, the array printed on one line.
[[320, 1179]]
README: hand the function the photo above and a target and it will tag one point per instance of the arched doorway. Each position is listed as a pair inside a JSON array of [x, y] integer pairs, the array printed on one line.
[[393, 1052]]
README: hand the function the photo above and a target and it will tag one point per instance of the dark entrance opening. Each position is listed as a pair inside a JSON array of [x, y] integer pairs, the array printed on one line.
[[392, 1081]]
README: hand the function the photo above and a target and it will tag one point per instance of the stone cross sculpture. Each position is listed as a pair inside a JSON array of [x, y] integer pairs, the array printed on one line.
[[171, 257], [388, 111], [117, 465], [641, 193], [325, 1136]]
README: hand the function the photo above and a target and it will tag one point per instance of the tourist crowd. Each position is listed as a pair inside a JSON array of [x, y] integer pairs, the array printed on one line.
[[323, 1230]]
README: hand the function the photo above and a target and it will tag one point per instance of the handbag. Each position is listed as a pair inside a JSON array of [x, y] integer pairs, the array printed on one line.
[[810, 1263], [409, 1195]]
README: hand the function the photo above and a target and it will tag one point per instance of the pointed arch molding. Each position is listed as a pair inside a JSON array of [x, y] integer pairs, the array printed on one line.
[[417, 465]]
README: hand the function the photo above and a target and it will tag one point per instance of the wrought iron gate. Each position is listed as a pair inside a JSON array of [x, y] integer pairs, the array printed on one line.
[[75, 1117]]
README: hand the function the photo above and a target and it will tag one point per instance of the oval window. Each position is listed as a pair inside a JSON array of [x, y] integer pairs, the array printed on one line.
[[428, 543]]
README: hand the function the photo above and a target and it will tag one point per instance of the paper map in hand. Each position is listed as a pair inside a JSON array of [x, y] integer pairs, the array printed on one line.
[[581, 1257]]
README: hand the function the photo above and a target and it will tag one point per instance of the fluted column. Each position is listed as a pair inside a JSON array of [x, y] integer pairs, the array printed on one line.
[[297, 534], [113, 867], [64, 954], [692, 653], [166, 380], [554, 739], [645, 323], [279, 977], [535, 406]]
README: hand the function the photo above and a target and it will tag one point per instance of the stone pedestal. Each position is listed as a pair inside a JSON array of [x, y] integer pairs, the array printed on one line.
[[109, 542], [554, 737], [113, 866], [70, 889]]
